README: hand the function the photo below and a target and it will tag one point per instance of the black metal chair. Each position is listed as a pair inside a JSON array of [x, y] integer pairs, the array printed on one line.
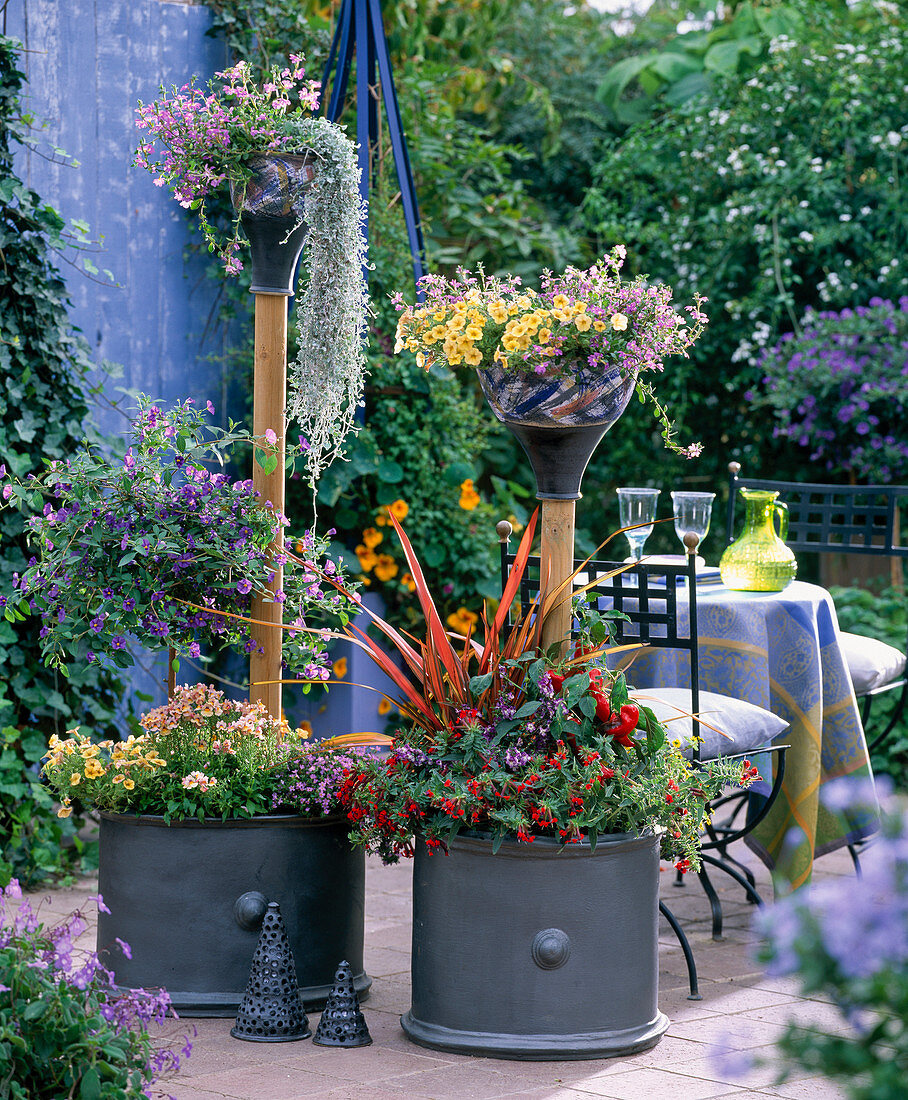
[[846, 519], [654, 598]]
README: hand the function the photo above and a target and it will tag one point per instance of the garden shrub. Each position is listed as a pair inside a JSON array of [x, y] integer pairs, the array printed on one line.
[[44, 414], [770, 193], [65, 1029], [839, 391]]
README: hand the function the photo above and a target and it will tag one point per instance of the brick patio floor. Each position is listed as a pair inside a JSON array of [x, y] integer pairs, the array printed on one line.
[[741, 1010]]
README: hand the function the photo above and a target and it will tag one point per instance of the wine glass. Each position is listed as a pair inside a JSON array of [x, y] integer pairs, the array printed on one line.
[[693, 512], [637, 506]]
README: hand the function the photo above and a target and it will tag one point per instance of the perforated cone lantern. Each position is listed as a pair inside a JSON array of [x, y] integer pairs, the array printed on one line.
[[342, 1023], [271, 1010]]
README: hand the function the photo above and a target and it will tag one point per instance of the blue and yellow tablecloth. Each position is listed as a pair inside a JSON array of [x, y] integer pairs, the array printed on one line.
[[780, 650]]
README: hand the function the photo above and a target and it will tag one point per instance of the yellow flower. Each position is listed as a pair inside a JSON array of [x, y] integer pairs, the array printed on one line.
[[340, 668], [371, 538], [128, 784], [117, 779], [386, 567], [407, 581], [498, 311], [367, 558], [65, 810], [75, 779], [473, 357], [582, 322], [399, 510], [420, 359], [462, 620], [473, 332], [305, 730], [469, 498], [599, 326], [385, 706], [544, 335], [560, 302], [619, 322], [93, 769]]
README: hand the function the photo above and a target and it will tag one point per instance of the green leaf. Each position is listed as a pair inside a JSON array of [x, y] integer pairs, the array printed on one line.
[[390, 472], [91, 1085], [266, 460]]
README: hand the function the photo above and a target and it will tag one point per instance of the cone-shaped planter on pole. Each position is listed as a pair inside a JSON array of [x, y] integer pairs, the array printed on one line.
[[558, 421], [271, 1010]]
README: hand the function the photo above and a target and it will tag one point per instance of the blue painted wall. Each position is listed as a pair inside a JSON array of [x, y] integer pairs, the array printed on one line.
[[88, 62]]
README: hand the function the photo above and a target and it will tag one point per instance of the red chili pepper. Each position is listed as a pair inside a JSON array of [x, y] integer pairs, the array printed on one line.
[[621, 725], [557, 680]]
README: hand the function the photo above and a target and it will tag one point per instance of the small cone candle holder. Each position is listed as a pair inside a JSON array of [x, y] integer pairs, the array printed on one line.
[[342, 1023]]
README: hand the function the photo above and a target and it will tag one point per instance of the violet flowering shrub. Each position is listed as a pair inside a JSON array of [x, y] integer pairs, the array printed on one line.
[[578, 319], [65, 1028], [199, 141], [839, 390], [200, 755], [165, 548], [846, 941]]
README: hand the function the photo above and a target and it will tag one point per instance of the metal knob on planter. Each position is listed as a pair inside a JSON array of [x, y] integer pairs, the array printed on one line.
[[271, 1010], [249, 910]]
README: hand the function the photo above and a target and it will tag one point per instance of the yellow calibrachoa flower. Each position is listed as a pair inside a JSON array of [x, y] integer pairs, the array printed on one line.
[[473, 332], [371, 538], [386, 567], [619, 322], [339, 668], [93, 769], [65, 809], [75, 779], [560, 302], [498, 311], [399, 509], [473, 357], [582, 322], [469, 498], [128, 784]]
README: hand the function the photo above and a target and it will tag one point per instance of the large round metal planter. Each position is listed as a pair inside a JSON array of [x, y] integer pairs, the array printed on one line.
[[537, 952], [188, 898], [558, 421]]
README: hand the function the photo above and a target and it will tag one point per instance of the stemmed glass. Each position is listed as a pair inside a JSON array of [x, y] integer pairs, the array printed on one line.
[[637, 506], [693, 512]]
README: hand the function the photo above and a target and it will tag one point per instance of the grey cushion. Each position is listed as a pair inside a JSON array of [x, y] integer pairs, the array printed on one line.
[[870, 662], [748, 727]]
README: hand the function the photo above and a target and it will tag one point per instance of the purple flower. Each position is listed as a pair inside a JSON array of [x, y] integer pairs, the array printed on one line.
[[244, 586], [97, 624]]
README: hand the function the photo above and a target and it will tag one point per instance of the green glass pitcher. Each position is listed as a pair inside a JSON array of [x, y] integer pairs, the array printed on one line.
[[759, 560]]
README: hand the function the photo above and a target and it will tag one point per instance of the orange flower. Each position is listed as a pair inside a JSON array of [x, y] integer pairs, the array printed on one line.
[[385, 567], [304, 732], [367, 558], [469, 498], [385, 707], [399, 509], [340, 667], [407, 581], [462, 620], [371, 537]]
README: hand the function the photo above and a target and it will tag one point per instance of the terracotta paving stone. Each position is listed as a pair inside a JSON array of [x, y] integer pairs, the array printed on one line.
[[741, 1010]]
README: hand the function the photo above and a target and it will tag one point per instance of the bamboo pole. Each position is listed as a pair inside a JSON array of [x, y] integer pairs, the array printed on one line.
[[268, 402], [556, 561]]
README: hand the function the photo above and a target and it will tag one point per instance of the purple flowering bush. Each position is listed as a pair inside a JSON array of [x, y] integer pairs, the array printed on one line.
[[839, 390], [65, 1029], [579, 318], [162, 548], [847, 941]]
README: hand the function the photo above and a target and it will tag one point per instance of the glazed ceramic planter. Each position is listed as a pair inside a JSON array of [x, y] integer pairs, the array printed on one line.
[[189, 899], [537, 952], [558, 421], [272, 215]]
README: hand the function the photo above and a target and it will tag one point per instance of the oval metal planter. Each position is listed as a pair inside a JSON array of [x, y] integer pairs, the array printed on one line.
[[189, 898], [537, 952]]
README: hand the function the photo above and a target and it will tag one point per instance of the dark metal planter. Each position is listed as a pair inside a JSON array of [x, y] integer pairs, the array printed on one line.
[[536, 952], [189, 899]]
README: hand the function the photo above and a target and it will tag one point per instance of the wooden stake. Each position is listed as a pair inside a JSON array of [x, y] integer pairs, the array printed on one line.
[[171, 673], [556, 560], [268, 403]]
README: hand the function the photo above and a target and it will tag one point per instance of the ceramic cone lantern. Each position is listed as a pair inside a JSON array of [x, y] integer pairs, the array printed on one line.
[[342, 1024], [272, 1011]]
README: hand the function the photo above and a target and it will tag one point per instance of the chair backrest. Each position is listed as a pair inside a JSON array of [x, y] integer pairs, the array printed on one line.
[[841, 519], [648, 594]]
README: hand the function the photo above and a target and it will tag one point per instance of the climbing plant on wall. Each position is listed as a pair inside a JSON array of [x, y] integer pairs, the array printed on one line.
[[44, 412]]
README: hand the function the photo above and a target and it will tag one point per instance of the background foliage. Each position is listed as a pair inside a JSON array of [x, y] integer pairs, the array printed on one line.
[[44, 414]]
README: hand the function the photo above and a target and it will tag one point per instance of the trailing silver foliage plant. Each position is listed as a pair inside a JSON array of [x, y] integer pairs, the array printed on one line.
[[326, 378]]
